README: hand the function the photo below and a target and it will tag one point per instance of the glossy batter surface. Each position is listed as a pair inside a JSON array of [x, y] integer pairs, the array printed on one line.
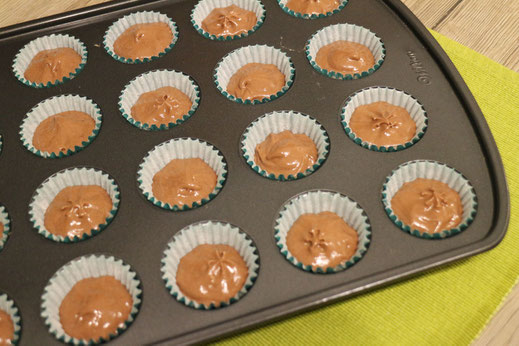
[[256, 81], [345, 57], [313, 6], [95, 307], [427, 205], [52, 64], [211, 274], [77, 210], [6, 328], [141, 41], [161, 106], [229, 21]]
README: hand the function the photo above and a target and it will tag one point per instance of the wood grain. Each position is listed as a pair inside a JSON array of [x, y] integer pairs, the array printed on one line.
[[489, 27]]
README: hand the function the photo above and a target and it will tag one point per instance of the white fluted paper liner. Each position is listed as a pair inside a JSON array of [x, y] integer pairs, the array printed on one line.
[[8, 306], [283, 5], [6, 221], [317, 201], [413, 170], [29, 51], [154, 80], [262, 54], [390, 95], [208, 232], [53, 106], [144, 17], [48, 190], [279, 121], [180, 148], [345, 32], [204, 7], [90, 266]]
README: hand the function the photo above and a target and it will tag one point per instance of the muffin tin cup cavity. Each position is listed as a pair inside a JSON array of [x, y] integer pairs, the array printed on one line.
[[345, 32], [413, 170], [316, 201], [262, 54], [48, 190], [151, 81], [390, 95], [208, 232], [6, 221], [29, 51], [180, 148], [90, 266], [8, 306], [283, 5], [120, 26], [279, 121], [204, 7], [53, 106]]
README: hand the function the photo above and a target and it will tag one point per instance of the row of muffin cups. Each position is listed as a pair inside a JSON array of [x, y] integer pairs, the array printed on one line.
[[229, 63]]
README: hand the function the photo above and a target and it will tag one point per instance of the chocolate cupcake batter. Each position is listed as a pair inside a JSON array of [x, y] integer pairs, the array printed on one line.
[[2, 227], [63, 131], [211, 274], [256, 81], [141, 41], [345, 57], [6, 328], [52, 64], [95, 307], [229, 21], [161, 106], [427, 205], [321, 240], [286, 153], [313, 6], [183, 182], [383, 124], [77, 210]]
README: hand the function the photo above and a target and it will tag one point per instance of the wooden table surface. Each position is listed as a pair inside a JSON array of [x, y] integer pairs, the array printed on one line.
[[488, 27]]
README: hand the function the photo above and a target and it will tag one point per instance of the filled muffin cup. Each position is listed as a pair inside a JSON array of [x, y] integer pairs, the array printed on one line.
[[52, 106], [84, 267], [434, 170], [240, 57], [6, 221], [9, 307], [283, 5], [345, 32], [314, 202], [75, 176], [279, 121], [180, 148], [144, 17], [394, 97], [24, 57], [151, 81], [208, 232], [204, 7]]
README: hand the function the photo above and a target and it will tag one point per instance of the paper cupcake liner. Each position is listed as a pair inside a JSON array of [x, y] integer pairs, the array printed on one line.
[[279, 121], [390, 95], [180, 148], [25, 55], [154, 80], [48, 190], [283, 5], [316, 201], [90, 266], [6, 221], [204, 7], [413, 170], [208, 232], [53, 106], [263, 54], [117, 28], [345, 32], [8, 306]]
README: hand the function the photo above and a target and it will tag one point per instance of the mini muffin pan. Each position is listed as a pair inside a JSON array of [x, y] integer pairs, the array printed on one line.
[[457, 135]]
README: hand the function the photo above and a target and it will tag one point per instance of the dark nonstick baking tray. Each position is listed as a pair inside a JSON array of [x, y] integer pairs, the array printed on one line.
[[457, 135]]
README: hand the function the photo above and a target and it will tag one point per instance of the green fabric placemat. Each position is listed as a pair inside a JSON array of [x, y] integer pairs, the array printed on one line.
[[446, 306]]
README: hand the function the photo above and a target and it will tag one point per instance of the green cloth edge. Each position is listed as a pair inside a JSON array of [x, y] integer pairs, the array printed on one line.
[[447, 306]]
